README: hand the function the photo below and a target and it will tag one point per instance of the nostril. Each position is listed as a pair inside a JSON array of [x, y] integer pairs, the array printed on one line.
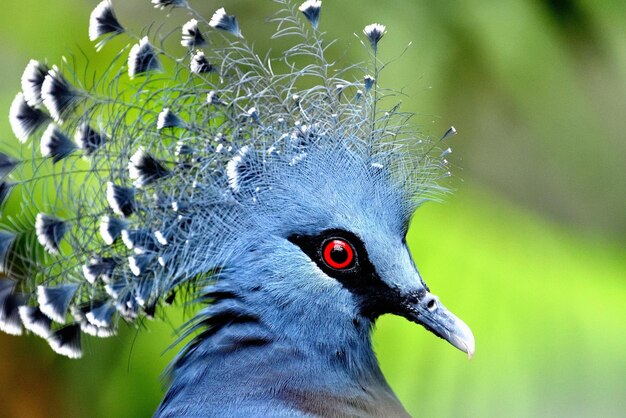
[[431, 303]]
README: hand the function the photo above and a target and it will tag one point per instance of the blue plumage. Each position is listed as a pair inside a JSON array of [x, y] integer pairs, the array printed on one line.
[[283, 198]]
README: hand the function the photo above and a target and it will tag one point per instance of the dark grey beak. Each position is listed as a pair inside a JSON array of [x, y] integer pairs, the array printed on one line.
[[430, 313]]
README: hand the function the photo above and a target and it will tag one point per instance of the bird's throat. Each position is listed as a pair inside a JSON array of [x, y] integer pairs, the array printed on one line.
[[312, 376]]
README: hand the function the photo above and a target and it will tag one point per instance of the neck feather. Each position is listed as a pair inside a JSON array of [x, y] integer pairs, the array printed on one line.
[[280, 356]]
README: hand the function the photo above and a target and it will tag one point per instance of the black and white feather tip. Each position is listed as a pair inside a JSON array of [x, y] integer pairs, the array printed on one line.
[[54, 301], [236, 169], [183, 150], [169, 119], [35, 321], [220, 20], [143, 292], [99, 267], [7, 164], [161, 237], [99, 332], [311, 10], [10, 322], [127, 307], [374, 33], [111, 228], [142, 59], [162, 4], [139, 264], [445, 152], [369, 82], [89, 140], [101, 316], [50, 232], [55, 144], [213, 98], [200, 65], [114, 289], [58, 95], [103, 22], [6, 241], [121, 200], [80, 316], [10, 302], [139, 240], [449, 133], [145, 169], [192, 37], [66, 341], [32, 80], [24, 119], [5, 191], [253, 113]]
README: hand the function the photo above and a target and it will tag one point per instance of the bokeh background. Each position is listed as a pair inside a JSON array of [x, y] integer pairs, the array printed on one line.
[[530, 250]]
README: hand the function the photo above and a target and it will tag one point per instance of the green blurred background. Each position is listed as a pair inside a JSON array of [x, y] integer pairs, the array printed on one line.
[[530, 251]]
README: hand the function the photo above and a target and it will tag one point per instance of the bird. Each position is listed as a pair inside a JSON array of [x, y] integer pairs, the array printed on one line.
[[272, 193]]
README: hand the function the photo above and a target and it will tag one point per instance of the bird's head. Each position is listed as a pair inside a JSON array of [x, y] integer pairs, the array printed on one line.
[[327, 239]]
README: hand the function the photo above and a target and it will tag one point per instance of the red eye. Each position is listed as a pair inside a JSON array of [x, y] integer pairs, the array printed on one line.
[[338, 254]]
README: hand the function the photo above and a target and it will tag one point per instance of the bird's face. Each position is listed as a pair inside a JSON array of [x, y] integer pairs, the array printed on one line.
[[333, 236], [382, 278]]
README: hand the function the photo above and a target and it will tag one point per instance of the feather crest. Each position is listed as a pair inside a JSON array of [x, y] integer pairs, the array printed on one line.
[[217, 146]]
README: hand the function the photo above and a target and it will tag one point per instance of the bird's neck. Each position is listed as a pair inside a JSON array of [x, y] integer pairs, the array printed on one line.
[[320, 363]]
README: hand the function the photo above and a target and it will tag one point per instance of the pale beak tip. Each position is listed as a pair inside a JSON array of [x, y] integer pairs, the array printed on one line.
[[463, 339]]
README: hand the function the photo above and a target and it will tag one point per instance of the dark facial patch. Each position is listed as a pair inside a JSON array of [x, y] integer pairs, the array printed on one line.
[[374, 296]]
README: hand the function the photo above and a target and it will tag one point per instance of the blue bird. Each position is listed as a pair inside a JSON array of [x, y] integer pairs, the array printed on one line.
[[276, 193]]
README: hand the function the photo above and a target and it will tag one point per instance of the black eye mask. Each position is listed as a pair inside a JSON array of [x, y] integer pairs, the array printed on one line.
[[342, 255]]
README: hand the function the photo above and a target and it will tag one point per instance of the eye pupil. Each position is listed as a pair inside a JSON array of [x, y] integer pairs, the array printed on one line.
[[338, 254]]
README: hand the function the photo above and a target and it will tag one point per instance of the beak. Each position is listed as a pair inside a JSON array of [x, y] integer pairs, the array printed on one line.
[[427, 311]]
